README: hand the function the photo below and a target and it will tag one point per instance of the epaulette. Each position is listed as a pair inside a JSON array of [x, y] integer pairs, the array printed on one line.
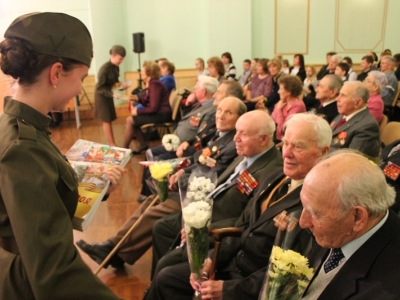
[[26, 131]]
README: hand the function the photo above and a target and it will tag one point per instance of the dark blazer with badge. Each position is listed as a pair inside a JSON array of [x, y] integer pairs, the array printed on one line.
[[373, 271], [328, 112], [192, 122], [38, 198], [247, 258], [394, 182], [221, 153], [224, 211], [206, 133], [361, 132]]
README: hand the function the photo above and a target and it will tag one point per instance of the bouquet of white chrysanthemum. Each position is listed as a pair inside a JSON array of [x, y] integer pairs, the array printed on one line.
[[196, 213], [289, 271], [170, 142]]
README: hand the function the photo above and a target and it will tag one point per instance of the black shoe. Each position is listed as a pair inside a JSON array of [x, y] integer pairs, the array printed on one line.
[[140, 150], [141, 198], [98, 252]]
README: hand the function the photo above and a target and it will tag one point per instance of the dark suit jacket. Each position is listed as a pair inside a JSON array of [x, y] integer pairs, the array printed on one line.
[[394, 158], [328, 112], [373, 271], [206, 133], [230, 203], [223, 150], [247, 258], [361, 132]]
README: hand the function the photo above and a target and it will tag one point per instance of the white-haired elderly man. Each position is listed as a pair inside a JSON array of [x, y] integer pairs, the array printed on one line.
[[193, 121], [387, 64], [346, 206], [375, 83], [327, 90], [242, 262], [333, 62], [355, 127]]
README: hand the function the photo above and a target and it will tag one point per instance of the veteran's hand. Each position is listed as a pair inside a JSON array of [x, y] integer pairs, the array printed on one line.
[[182, 147], [173, 179], [115, 174], [212, 289]]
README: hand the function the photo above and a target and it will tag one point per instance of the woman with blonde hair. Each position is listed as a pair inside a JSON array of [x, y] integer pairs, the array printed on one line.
[[150, 106]]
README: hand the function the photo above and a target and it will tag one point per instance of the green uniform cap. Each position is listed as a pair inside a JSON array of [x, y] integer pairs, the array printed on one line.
[[54, 34]]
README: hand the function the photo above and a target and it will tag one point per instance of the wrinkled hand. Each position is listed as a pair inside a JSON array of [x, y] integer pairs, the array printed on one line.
[[117, 96], [261, 106], [191, 99], [182, 147], [115, 174], [173, 179], [212, 289], [194, 282], [281, 104]]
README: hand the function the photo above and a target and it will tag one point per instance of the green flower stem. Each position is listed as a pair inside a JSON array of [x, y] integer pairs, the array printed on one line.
[[163, 189], [198, 249]]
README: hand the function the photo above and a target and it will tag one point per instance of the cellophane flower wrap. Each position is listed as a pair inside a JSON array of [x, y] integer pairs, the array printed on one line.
[[159, 172], [170, 142], [290, 269], [197, 213]]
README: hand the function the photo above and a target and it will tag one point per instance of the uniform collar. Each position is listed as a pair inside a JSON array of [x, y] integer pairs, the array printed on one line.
[[27, 114]]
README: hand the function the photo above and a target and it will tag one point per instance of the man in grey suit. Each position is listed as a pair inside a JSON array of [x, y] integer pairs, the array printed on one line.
[[387, 64], [140, 240], [192, 122], [347, 210], [355, 127]]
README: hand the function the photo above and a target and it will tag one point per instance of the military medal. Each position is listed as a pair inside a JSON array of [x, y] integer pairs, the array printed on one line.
[[195, 120], [210, 162], [213, 149], [246, 183], [392, 171], [285, 222]]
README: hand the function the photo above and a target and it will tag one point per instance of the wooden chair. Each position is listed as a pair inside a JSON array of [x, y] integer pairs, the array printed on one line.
[[390, 133], [383, 124], [174, 100], [218, 234]]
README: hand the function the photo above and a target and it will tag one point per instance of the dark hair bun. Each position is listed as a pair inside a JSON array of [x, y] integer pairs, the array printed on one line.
[[15, 57]]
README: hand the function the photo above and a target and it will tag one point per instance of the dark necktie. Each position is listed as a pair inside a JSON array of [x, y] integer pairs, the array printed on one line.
[[341, 122], [333, 260], [216, 137]]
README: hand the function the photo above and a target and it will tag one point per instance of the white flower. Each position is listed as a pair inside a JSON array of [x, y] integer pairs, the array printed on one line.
[[170, 142], [197, 214]]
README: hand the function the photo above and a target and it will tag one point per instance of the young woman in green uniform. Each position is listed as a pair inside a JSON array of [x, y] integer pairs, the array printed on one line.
[[48, 54]]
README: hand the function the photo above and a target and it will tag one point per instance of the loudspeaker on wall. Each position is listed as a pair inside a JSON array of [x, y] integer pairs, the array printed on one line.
[[138, 42]]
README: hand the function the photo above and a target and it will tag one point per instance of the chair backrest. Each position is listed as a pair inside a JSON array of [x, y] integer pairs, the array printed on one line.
[[383, 124], [172, 97], [390, 133], [396, 97], [175, 106]]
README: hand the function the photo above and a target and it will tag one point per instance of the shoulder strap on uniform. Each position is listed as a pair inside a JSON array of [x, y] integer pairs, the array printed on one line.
[[26, 131]]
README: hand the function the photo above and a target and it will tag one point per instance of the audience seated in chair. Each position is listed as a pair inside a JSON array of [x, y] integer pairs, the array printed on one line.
[[324, 69], [366, 67], [298, 68], [150, 106], [242, 262], [167, 75], [230, 69], [375, 83], [327, 91], [387, 64]]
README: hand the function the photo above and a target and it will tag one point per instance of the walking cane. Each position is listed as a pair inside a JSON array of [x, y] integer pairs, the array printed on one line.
[[134, 225], [218, 234]]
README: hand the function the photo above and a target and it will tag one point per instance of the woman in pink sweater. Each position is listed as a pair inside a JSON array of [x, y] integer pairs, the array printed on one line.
[[290, 89], [375, 83]]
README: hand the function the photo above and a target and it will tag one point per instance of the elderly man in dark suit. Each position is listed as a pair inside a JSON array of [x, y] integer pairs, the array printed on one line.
[[204, 134], [327, 90], [355, 127], [347, 210], [242, 262], [221, 152]]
